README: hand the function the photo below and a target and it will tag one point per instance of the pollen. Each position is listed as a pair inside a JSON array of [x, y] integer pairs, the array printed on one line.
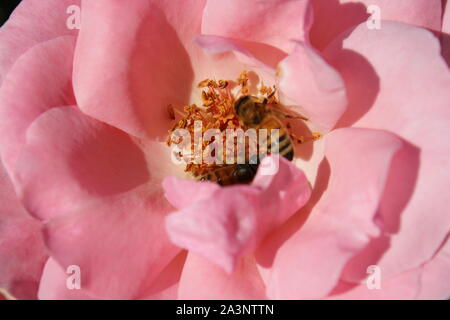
[[217, 111]]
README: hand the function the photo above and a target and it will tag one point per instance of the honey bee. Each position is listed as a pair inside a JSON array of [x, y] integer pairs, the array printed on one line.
[[257, 114], [230, 174]]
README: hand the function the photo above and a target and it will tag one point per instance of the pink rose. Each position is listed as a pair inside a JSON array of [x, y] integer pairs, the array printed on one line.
[[87, 180]]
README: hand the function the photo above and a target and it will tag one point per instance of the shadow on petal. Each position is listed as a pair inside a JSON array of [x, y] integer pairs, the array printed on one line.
[[161, 73], [397, 193], [332, 18], [362, 84]]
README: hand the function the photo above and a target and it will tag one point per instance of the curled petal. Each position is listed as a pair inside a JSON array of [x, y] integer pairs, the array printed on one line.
[[249, 53], [233, 220], [31, 23], [32, 87], [70, 159], [307, 80], [219, 57], [342, 222], [407, 95]]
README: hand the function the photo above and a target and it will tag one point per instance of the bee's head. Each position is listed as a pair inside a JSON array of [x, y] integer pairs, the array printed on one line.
[[245, 173], [250, 110]]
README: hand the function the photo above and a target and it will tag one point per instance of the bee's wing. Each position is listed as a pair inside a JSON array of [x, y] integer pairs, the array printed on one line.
[[286, 112]]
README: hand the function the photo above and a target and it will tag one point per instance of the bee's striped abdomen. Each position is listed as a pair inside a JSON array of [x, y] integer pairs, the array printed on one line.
[[284, 143], [286, 149]]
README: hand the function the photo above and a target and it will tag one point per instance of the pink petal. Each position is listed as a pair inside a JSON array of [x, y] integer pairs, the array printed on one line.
[[435, 280], [252, 54], [445, 35], [22, 251], [233, 220], [181, 194], [136, 87], [70, 159], [202, 279], [430, 281], [333, 18], [342, 222], [401, 287], [216, 57], [402, 88], [93, 185], [143, 64], [308, 81], [399, 185], [33, 22], [166, 284], [274, 22], [32, 87], [53, 284], [446, 20], [118, 243]]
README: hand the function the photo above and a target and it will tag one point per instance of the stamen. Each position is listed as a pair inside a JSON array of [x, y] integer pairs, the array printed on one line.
[[217, 112], [243, 82]]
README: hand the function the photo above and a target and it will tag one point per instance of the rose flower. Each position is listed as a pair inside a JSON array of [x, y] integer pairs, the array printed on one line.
[[88, 181]]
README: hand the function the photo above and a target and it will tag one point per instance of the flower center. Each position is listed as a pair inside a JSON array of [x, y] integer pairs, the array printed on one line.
[[227, 106]]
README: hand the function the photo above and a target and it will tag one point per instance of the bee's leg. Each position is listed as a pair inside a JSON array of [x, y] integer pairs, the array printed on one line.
[[299, 140], [302, 139], [292, 135]]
